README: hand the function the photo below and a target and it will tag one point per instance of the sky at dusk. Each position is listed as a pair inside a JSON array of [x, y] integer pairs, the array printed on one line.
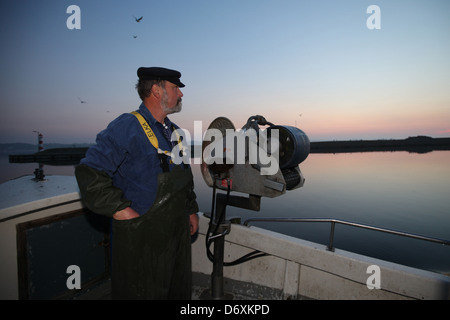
[[311, 64]]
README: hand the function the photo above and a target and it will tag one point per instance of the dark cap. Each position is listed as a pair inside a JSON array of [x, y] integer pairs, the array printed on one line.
[[157, 73]]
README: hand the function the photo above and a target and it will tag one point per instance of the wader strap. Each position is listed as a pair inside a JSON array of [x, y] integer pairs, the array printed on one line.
[[163, 162], [163, 155]]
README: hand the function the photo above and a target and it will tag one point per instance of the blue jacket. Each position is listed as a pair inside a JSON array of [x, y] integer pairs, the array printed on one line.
[[125, 155]]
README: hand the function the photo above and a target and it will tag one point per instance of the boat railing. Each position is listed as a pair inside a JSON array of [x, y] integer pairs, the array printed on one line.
[[333, 223]]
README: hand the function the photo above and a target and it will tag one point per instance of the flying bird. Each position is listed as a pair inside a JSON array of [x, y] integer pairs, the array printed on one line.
[[135, 37], [82, 101], [138, 20]]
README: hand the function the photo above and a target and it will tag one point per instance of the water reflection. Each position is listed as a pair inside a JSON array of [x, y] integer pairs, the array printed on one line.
[[394, 190]]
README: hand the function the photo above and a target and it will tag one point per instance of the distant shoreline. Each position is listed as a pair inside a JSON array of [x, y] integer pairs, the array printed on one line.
[[64, 155], [419, 144]]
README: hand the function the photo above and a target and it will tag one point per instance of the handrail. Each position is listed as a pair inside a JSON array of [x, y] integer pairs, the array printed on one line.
[[349, 223]]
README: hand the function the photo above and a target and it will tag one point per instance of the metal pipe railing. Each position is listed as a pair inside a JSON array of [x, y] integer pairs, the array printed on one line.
[[333, 222]]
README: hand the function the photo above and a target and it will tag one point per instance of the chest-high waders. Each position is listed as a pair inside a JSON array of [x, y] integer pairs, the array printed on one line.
[[151, 254]]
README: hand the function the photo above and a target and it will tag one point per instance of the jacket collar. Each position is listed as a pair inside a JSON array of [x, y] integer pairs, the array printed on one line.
[[149, 117]]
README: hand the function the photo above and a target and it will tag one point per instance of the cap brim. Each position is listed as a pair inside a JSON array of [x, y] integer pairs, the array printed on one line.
[[176, 82]]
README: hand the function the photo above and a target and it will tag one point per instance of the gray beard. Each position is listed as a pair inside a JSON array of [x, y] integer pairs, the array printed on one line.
[[168, 110]]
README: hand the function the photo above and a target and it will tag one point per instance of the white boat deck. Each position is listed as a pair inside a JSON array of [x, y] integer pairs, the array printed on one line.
[[24, 194]]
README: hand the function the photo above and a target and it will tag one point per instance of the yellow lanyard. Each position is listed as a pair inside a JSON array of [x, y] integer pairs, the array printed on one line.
[[152, 137]]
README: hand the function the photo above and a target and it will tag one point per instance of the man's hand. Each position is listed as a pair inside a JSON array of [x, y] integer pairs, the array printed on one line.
[[125, 214], [193, 223], [128, 213]]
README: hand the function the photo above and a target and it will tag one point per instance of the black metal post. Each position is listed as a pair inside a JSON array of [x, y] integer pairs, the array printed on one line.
[[217, 290], [222, 227]]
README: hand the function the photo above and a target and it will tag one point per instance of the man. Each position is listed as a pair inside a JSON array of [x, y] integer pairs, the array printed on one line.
[[129, 175]]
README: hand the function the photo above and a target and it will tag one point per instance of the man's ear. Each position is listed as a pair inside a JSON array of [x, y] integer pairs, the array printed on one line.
[[156, 91]]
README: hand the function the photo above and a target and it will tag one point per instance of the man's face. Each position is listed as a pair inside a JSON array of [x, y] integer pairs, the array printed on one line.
[[171, 101]]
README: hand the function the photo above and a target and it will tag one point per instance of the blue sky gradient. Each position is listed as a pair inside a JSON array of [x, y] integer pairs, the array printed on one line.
[[313, 64]]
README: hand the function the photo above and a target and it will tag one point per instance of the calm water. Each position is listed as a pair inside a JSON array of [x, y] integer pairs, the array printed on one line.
[[395, 190]]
